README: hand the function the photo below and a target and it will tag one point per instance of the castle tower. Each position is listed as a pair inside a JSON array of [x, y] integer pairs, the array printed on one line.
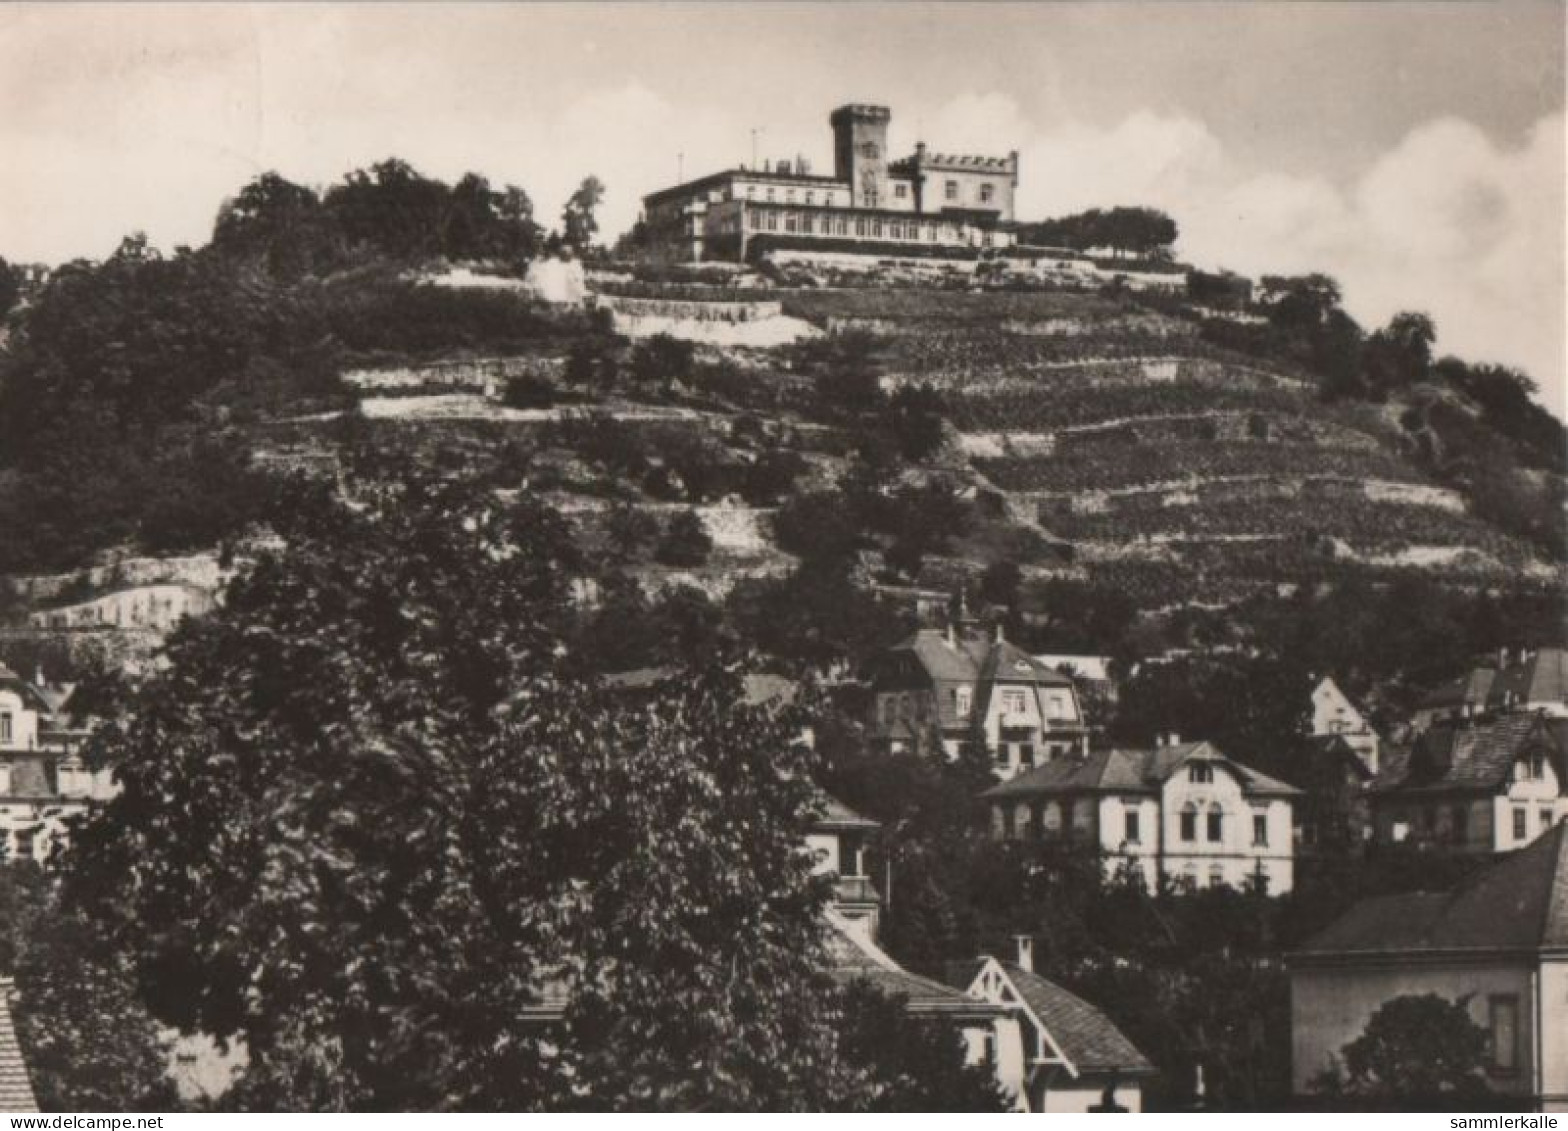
[[860, 152]]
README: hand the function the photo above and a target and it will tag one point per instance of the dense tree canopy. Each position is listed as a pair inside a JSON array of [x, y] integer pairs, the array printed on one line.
[[1140, 231], [372, 751]]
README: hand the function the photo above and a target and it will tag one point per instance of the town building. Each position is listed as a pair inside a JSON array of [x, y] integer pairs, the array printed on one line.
[[1468, 786], [157, 607], [16, 1086], [1498, 943], [1334, 713], [1177, 812], [1334, 812], [44, 781], [1074, 1057], [939, 689], [1533, 681], [923, 203]]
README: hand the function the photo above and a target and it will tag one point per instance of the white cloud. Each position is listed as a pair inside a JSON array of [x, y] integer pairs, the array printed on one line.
[[1447, 221]]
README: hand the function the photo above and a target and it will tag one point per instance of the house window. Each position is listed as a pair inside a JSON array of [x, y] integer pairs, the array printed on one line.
[[1504, 1033], [1053, 816], [950, 190], [986, 192], [1012, 702], [1216, 824], [1026, 754], [1461, 823], [771, 192], [1200, 773], [1189, 824], [900, 190], [1521, 823], [1216, 876], [1132, 833], [1000, 754], [1260, 829], [963, 701], [1059, 705], [789, 195], [24, 843], [751, 192], [5, 727]]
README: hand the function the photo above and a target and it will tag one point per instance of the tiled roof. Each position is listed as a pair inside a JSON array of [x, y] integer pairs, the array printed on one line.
[[1541, 677], [1126, 771], [1468, 757], [1085, 1035], [855, 958], [16, 1089], [837, 815], [1517, 904], [969, 657]]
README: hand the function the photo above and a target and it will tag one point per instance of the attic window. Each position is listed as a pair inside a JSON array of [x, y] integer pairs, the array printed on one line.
[[1200, 773]]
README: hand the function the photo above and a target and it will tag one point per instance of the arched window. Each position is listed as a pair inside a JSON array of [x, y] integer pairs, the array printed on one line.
[[1189, 822], [1216, 823]]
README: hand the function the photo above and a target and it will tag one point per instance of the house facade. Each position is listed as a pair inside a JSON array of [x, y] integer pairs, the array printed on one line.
[[43, 780], [1498, 943], [157, 607], [1180, 812], [926, 202], [1335, 714], [1073, 1057], [1474, 787], [942, 688]]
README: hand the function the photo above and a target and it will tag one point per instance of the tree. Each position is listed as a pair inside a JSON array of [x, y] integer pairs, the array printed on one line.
[[579, 224], [1419, 1047], [914, 1064], [89, 1043], [661, 360], [370, 813], [685, 543], [279, 224], [915, 416], [10, 288]]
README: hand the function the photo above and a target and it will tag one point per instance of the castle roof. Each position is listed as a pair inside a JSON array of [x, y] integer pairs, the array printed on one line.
[[1519, 904]]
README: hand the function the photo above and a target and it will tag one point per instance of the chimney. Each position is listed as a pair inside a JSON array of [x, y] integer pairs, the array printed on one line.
[[999, 638], [1173, 739], [1025, 952], [1502, 658], [952, 637]]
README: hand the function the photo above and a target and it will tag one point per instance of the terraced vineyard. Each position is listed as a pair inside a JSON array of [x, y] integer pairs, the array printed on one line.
[[1185, 473]]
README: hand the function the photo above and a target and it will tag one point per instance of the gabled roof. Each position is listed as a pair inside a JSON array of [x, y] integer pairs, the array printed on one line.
[[1519, 904], [25, 688], [836, 815], [1467, 757], [1086, 1037], [16, 1088], [1129, 771], [855, 957], [1539, 677]]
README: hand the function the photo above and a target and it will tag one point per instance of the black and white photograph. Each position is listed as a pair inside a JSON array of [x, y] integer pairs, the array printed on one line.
[[781, 557]]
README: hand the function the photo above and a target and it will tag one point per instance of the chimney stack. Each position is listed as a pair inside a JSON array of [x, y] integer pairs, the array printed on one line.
[[1025, 952]]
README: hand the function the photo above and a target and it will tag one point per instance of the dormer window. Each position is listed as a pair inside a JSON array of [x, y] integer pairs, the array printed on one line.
[[1200, 773], [1013, 701]]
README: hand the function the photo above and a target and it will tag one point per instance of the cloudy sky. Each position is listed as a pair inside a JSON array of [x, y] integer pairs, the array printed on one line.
[[1413, 150]]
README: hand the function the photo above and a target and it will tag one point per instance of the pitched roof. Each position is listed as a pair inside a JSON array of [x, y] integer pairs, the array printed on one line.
[[1086, 1036], [855, 957], [1517, 904], [25, 689], [16, 1089], [1128, 771], [1467, 757], [836, 815], [1539, 677]]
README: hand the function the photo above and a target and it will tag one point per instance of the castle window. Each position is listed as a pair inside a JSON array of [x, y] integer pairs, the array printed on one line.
[[811, 197], [986, 192], [751, 192], [950, 190], [771, 192], [789, 196], [860, 227], [805, 224]]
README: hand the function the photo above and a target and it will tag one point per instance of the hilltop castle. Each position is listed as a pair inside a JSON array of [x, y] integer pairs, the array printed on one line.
[[926, 200]]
